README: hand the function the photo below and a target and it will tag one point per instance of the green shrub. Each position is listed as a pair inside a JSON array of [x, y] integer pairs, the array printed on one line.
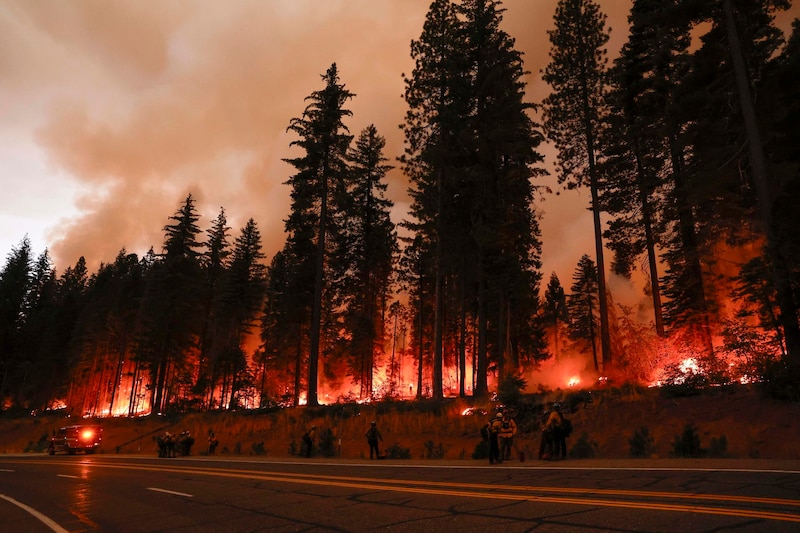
[[327, 443], [395, 451], [584, 448], [718, 447], [434, 451], [641, 443], [688, 443], [258, 448], [38, 446], [481, 450]]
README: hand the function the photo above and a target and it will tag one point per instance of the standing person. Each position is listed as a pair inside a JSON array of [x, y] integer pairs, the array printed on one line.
[[373, 436], [507, 431], [308, 440], [546, 442], [495, 425], [560, 434], [212, 443], [552, 439]]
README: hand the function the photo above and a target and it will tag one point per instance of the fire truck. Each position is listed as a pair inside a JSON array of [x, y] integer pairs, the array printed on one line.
[[74, 439]]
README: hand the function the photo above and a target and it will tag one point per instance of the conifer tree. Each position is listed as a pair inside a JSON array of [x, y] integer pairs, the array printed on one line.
[[555, 313], [434, 129], [238, 306], [316, 186], [284, 311], [214, 261], [171, 305], [573, 112], [498, 180], [15, 280], [636, 167], [767, 38], [364, 264], [582, 305], [725, 199], [470, 155]]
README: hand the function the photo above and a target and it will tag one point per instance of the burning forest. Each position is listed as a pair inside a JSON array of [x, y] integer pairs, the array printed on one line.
[[686, 145]]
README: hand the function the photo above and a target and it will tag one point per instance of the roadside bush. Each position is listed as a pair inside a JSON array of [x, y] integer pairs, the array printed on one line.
[[641, 443], [584, 448], [687, 444], [38, 446], [327, 443], [434, 451], [718, 447], [481, 450], [395, 451], [258, 448]]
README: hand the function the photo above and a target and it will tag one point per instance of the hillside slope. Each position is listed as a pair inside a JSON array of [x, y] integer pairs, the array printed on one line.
[[752, 427]]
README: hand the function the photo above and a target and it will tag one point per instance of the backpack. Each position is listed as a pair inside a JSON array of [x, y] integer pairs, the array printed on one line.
[[566, 427]]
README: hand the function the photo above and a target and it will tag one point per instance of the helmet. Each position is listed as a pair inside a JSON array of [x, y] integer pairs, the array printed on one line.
[[373, 422]]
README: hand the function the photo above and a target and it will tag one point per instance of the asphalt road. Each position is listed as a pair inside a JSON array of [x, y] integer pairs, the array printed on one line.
[[135, 493]]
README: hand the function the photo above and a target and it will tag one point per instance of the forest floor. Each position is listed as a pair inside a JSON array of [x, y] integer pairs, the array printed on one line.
[[731, 422]]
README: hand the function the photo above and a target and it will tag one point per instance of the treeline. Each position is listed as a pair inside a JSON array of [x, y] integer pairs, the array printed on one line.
[[688, 148]]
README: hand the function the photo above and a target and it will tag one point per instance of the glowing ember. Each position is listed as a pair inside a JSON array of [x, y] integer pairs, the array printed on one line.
[[573, 382]]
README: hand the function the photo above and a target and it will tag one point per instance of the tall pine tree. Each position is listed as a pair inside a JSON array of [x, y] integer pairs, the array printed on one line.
[[578, 75], [316, 188]]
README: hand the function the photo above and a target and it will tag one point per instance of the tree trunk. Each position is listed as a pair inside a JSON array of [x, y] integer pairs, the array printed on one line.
[[438, 312], [316, 309]]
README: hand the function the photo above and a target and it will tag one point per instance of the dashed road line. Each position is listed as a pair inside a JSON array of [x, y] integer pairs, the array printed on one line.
[[156, 489]]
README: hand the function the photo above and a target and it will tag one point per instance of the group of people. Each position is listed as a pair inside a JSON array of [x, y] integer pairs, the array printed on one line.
[[170, 445], [500, 432], [501, 429], [553, 445]]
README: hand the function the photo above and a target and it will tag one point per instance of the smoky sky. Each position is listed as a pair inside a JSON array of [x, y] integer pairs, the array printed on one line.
[[113, 112]]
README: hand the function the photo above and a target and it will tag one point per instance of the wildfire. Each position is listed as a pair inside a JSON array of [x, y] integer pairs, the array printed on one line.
[[573, 382], [689, 365]]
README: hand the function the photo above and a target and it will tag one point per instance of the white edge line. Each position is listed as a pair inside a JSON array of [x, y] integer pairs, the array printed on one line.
[[52, 524], [171, 492], [67, 475]]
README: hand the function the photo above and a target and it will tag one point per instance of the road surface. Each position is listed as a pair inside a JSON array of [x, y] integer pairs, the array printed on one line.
[[121, 493]]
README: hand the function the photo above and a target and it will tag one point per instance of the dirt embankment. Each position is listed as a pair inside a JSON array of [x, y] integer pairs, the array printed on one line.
[[752, 427]]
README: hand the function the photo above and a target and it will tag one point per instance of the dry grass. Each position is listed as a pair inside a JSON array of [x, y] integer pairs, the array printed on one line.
[[754, 427]]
